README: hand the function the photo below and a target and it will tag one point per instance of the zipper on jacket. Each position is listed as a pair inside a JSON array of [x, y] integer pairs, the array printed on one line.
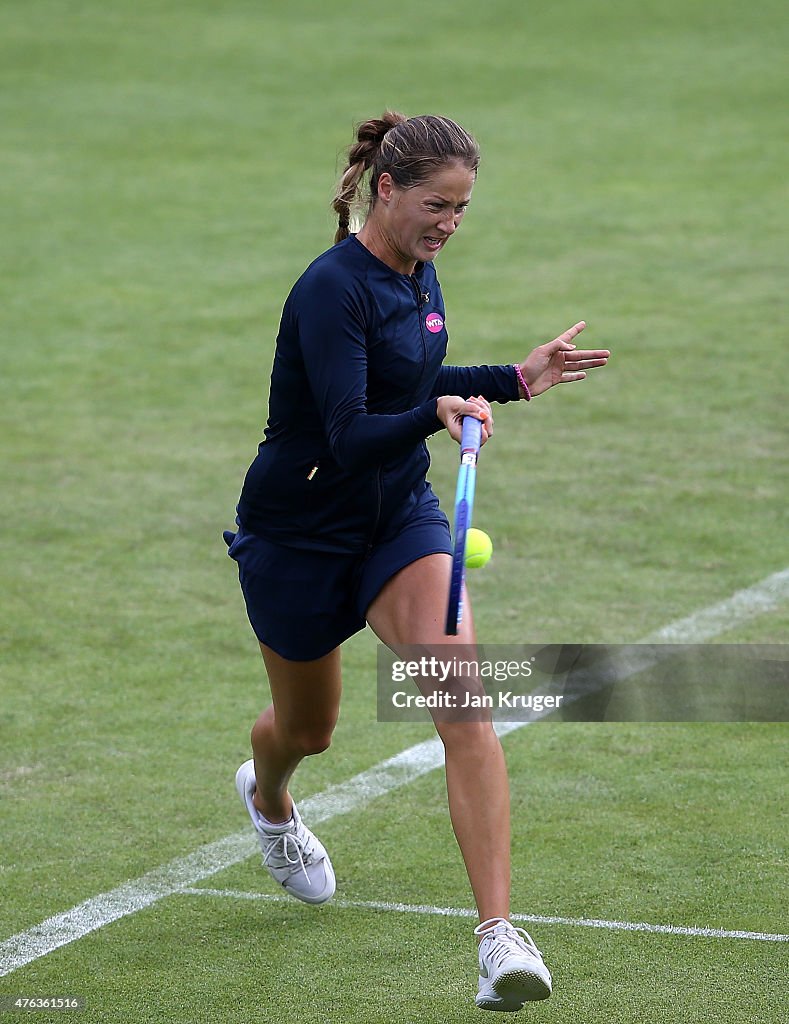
[[421, 298]]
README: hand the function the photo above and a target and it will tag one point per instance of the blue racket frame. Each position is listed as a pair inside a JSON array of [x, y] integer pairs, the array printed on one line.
[[471, 438]]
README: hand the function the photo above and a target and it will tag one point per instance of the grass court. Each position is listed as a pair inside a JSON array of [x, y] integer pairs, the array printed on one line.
[[165, 175]]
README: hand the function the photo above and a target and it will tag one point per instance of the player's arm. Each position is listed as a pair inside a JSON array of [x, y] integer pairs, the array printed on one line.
[[557, 362], [496, 383], [332, 321]]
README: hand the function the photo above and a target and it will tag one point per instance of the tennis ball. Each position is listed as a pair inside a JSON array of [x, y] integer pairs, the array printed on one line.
[[479, 548]]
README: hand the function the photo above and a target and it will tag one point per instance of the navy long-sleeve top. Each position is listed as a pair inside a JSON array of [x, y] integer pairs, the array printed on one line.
[[357, 372]]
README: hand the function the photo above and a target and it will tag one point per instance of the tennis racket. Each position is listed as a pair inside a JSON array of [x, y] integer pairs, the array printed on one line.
[[464, 504]]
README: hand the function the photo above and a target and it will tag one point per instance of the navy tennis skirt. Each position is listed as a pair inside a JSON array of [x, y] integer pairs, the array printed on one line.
[[304, 603]]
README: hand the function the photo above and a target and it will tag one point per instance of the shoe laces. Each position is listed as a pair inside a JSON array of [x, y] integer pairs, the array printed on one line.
[[502, 936], [294, 848]]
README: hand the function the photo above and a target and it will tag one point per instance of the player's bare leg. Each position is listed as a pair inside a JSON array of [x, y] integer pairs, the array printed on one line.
[[299, 722], [410, 610]]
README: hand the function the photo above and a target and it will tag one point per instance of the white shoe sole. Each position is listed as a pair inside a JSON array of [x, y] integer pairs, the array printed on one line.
[[512, 989]]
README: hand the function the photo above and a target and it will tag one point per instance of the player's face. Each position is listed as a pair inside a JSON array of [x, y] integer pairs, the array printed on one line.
[[418, 222]]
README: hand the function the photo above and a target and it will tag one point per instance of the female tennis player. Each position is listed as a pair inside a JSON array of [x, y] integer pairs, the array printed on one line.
[[338, 527]]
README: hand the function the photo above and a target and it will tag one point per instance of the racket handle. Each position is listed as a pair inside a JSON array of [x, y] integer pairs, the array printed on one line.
[[471, 436]]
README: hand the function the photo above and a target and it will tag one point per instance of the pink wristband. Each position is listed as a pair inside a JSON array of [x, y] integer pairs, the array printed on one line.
[[522, 382]]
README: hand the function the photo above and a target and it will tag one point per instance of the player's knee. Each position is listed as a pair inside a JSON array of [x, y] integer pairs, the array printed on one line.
[[465, 736], [311, 740]]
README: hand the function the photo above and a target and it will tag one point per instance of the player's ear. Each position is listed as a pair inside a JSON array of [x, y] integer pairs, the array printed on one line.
[[385, 186]]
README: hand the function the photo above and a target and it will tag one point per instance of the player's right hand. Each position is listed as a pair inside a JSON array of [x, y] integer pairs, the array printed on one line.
[[451, 409]]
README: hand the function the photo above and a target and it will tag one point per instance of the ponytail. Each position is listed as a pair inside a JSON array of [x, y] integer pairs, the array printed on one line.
[[369, 136]]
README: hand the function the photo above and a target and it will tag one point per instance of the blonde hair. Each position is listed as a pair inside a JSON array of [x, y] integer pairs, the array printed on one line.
[[408, 148]]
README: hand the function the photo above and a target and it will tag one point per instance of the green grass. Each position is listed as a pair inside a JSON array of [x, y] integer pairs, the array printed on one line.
[[165, 175]]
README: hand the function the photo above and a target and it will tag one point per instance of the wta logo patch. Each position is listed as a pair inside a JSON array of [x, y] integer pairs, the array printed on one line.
[[434, 323]]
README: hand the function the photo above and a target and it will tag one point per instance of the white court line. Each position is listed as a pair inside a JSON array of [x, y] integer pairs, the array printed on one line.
[[582, 922], [718, 618], [130, 897]]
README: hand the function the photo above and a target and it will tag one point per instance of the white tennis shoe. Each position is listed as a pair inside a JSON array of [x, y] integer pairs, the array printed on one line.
[[294, 856], [511, 968]]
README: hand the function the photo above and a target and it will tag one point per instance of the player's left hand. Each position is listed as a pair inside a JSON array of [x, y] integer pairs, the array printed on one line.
[[560, 361]]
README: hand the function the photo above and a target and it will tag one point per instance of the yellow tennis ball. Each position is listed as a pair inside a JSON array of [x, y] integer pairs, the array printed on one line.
[[479, 548]]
